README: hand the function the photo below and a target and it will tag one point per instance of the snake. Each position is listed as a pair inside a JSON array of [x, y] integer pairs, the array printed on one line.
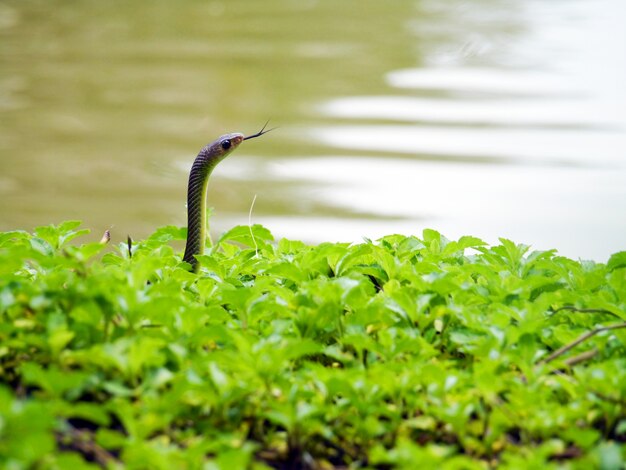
[[204, 164]]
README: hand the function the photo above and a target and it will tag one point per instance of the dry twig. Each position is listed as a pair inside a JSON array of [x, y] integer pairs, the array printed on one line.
[[562, 350]]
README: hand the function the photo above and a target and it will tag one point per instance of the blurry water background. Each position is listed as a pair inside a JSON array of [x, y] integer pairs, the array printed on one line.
[[492, 118]]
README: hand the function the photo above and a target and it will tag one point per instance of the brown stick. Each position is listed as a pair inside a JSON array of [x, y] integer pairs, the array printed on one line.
[[562, 350], [583, 356]]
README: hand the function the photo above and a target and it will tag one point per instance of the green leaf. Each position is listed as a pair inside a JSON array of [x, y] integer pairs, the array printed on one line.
[[41, 246], [53, 380], [616, 261], [26, 430], [610, 456], [250, 236], [168, 233]]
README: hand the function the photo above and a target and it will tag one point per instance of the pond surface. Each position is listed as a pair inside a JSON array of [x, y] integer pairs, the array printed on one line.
[[476, 117]]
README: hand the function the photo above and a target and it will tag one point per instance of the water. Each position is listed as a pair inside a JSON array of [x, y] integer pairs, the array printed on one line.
[[486, 118]]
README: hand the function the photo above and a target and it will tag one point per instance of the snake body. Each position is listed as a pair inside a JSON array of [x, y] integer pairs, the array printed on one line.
[[208, 158]]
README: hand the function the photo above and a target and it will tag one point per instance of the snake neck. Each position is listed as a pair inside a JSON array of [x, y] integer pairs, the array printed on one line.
[[196, 208]]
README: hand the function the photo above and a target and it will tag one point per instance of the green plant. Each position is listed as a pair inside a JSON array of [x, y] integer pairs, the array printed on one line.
[[401, 352]]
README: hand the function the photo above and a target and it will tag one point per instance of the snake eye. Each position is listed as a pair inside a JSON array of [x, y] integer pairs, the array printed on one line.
[[226, 144]]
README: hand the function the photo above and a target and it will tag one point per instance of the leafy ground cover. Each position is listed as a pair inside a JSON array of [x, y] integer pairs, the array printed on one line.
[[406, 352]]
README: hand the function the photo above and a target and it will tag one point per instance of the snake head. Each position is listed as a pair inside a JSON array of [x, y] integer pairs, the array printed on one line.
[[219, 149]]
